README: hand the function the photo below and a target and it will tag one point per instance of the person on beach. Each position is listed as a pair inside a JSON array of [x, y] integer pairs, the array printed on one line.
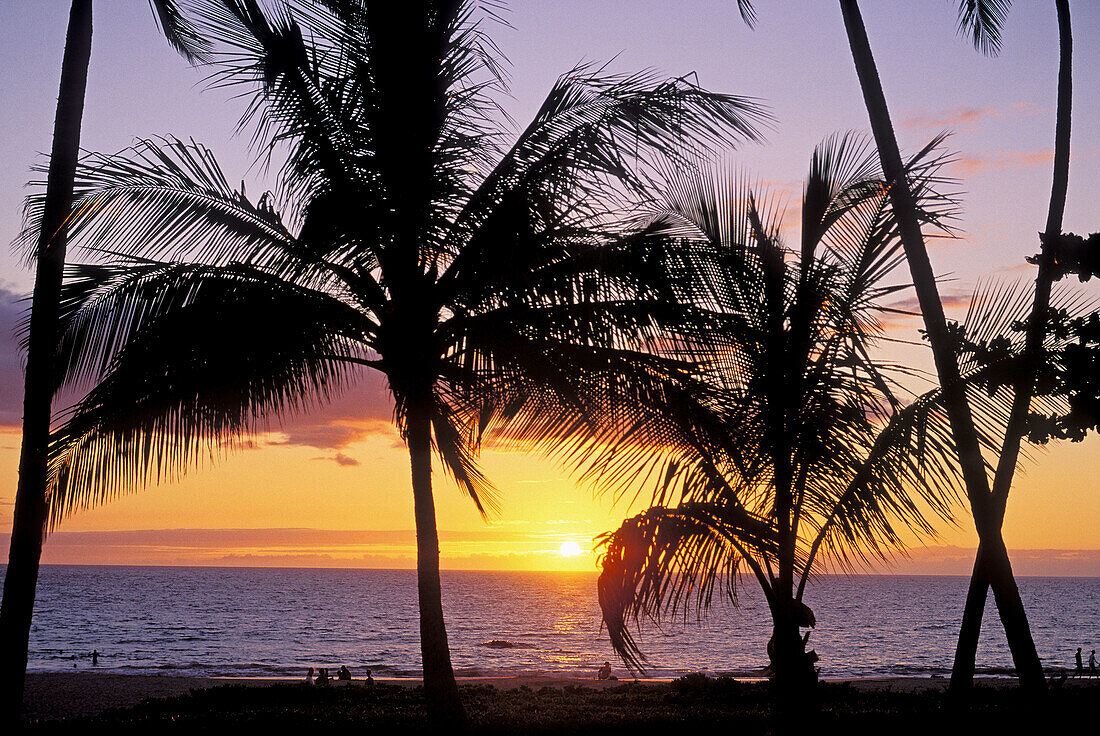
[[604, 672], [1092, 663], [322, 676], [309, 676], [1080, 667], [370, 679], [344, 673], [95, 657]]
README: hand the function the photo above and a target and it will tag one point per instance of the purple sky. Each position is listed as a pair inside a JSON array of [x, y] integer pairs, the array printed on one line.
[[796, 60]]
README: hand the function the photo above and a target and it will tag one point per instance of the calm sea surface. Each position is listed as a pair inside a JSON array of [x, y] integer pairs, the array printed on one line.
[[277, 622]]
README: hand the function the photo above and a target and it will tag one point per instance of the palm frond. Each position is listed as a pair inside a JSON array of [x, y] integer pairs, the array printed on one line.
[[179, 31], [663, 560], [982, 21], [199, 368]]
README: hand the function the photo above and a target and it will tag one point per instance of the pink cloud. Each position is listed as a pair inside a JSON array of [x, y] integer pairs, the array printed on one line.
[[1001, 160], [364, 409], [949, 301], [1028, 108], [956, 117]]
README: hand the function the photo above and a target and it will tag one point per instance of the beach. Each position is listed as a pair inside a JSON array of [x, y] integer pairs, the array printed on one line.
[[60, 695]]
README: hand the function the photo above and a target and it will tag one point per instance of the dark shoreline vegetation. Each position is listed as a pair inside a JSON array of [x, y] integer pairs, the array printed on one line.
[[693, 701]]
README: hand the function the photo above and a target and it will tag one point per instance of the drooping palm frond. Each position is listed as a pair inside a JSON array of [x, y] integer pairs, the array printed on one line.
[[220, 356], [663, 560], [163, 199], [982, 21]]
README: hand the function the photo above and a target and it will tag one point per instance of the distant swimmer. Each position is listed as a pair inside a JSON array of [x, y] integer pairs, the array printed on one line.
[[95, 657], [604, 672]]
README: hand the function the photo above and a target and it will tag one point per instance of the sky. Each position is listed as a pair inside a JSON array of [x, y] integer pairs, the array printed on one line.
[[331, 488]]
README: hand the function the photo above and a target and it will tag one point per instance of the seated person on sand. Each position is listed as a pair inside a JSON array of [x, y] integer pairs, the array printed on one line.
[[322, 676], [370, 679], [344, 673], [604, 672]]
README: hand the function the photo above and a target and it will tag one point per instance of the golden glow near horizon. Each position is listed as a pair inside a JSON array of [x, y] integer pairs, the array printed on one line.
[[288, 506]]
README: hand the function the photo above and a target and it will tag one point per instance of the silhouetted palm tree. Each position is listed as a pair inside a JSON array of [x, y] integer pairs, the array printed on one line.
[[982, 21], [803, 443], [483, 281], [30, 513]]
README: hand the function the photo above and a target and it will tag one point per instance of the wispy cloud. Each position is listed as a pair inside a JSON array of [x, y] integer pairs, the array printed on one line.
[[949, 560], [488, 548], [958, 118], [1002, 160], [949, 301]]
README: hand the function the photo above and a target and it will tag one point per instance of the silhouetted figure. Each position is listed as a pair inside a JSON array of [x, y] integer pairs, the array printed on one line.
[[1092, 663], [309, 676], [95, 657], [322, 676], [1080, 667], [344, 673], [604, 672], [370, 679]]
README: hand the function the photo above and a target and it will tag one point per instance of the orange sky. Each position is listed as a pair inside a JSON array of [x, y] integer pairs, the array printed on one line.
[[271, 504]]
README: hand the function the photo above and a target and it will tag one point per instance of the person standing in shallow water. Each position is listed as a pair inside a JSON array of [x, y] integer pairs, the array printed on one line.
[[95, 657]]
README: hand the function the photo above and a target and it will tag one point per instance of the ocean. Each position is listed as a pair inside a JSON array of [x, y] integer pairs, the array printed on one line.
[[265, 622]]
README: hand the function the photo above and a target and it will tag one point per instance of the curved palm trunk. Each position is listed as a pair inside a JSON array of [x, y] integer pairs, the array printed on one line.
[[982, 504], [962, 674], [29, 524], [440, 688]]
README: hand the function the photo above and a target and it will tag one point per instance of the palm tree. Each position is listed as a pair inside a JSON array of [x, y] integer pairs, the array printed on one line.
[[802, 446], [483, 281], [962, 674], [50, 241]]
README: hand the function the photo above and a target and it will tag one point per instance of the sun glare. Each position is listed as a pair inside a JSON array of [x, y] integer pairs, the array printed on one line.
[[569, 549]]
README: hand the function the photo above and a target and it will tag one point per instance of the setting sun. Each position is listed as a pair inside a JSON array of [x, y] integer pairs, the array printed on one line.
[[569, 549]]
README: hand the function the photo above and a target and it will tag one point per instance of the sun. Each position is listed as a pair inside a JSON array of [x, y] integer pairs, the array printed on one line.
[[569, 549]]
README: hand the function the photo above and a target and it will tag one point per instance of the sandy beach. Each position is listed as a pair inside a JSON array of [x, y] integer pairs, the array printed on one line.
[[55, 695]]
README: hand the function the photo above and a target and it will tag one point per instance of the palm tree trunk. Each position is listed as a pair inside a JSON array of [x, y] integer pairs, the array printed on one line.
[[966, 649], [982, 505], [440, 688], [962, 675], [29, 525]]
